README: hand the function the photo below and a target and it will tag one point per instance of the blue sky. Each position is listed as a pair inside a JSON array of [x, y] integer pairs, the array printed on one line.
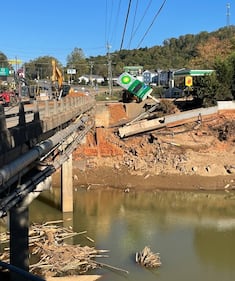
[[30, 29]]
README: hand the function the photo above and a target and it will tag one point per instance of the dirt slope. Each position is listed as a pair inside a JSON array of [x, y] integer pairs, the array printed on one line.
[[197, 155]]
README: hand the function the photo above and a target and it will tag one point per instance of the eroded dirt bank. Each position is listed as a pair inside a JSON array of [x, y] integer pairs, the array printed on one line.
[[189, 156]]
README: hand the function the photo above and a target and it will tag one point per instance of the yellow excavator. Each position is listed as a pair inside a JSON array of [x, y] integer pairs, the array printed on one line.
[[61, 89]]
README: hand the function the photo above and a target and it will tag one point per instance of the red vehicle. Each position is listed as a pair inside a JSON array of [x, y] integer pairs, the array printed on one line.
[[7, 98]]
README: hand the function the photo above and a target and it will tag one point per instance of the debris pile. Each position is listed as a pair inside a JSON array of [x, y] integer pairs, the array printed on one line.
[[54, 257], [60, 260], [147, 258]]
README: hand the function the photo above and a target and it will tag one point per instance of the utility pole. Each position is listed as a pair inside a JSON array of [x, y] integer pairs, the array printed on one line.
[[110, 77], [91, 68]]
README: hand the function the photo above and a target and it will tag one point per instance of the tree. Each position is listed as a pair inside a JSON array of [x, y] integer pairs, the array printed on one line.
[[205, 90], [76, 60], [41, 68], [209, 51], [3, 60], [214, 87], [226, 74]]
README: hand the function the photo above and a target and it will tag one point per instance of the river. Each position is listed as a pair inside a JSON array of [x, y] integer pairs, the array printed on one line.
[[193, 232]]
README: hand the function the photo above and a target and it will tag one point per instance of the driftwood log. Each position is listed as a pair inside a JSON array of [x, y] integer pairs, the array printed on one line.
[[147, 258]]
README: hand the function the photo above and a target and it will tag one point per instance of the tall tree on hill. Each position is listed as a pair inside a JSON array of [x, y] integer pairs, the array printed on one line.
[[209, 51]]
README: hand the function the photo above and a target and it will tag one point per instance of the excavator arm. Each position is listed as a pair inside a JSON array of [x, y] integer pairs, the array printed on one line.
[[56, 74], [57, 78]]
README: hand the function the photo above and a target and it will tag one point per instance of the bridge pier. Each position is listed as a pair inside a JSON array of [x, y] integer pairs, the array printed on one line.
[[68, 223], [67, 185], [19, 240]]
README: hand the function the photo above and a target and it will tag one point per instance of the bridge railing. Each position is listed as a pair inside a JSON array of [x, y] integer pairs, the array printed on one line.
[[26, 124], [44, 110]]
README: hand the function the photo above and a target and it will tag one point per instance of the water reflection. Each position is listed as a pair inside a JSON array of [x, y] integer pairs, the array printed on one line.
[[193, 232]]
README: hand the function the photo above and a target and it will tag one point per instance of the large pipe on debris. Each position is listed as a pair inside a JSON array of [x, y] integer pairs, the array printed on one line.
[[10, 170]]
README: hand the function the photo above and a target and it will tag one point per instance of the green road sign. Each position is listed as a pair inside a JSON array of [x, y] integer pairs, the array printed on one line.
[[4, 71]]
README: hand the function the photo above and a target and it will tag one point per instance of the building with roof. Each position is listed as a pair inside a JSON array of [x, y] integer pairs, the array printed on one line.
[[135, 70]]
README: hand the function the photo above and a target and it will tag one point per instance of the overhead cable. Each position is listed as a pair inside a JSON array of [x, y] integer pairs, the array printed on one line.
[[124, 31], [113, 35], [109, 16], [144, 14], [132, 30], [158, 12], [106, 19]]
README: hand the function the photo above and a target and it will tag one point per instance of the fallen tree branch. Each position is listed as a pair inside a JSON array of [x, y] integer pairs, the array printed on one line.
[[111, 267]]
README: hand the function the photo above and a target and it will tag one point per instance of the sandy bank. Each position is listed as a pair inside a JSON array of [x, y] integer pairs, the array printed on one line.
[[106, 177]]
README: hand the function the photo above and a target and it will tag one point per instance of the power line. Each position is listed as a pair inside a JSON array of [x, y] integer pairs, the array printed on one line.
[[158, 12], [108, 19], [144, 14], [116, 23], [124, 31], [132, 30]]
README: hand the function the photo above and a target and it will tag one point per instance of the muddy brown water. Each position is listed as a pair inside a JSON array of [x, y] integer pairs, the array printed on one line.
[[192, 231]]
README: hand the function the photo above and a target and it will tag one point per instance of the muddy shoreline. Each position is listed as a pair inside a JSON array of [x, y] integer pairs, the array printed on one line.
[[107, 178]]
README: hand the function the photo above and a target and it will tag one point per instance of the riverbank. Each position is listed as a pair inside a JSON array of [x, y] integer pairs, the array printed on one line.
[[190, 156], [105, 177]]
